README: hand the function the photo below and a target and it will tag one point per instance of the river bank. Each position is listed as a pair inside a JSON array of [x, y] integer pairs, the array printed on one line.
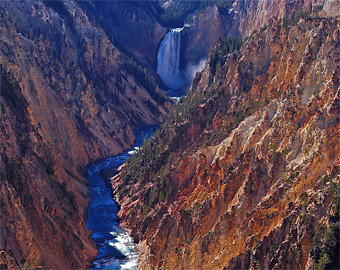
[[116, 248]]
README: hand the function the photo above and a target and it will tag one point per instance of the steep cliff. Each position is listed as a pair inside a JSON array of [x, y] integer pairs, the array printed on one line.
[[240, 18], [245, 171], [133, 29], [68, 97]]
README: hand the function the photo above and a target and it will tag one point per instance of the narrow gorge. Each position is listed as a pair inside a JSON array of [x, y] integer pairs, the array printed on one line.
[[242, 171], [115, 245]]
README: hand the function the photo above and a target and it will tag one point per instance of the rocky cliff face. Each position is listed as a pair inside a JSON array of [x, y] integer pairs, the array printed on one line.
[[331, 8], [133, 29], [205, 31], [251, 15], [245, 173], [240, 19], [68, 97]]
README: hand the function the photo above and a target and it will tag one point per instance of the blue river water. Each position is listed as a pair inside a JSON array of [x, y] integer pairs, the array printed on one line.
[[116, 248]]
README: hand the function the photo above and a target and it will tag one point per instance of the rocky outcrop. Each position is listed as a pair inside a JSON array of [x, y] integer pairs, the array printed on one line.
[[245, 173], [239, 20], [331, 8], [68, 97], [251, 15], [205, 31]]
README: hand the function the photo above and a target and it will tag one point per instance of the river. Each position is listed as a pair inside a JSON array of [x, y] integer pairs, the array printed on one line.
[[116, 248]]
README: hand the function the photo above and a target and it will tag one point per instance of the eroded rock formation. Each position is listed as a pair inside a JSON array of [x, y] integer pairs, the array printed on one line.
[[68, 97], [240, 20], [245, 173]]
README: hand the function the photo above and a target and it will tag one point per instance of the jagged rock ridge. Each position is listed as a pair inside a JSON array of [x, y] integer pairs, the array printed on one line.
[[245, 172], [240, 19]]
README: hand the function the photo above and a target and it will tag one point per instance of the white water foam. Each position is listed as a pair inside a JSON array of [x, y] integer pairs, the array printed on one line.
[[168, 60], [123, 243], [133, 151]]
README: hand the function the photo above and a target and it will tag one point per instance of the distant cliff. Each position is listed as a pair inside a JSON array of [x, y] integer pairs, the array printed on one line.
[[240, 19], [245, 172], [133, 29], [68, 97]]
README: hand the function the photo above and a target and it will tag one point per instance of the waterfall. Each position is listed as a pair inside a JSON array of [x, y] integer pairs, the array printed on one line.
[[168, 60]]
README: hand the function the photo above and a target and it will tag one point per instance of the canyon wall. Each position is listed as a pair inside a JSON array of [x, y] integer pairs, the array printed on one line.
[[245, 171], [133, 29], [68, 97], [218, 181], [240, 19]]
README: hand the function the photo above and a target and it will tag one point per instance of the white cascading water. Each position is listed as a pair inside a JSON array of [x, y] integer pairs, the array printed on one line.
[[168, 60], [116, 247]]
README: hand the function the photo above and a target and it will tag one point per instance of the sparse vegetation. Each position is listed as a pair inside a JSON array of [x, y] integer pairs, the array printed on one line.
[[223, 48], [288, 22], [144, 79], [326, 241], [175, 14]]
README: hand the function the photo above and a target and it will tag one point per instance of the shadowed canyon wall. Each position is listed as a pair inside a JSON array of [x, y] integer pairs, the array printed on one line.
[[68, 97], [133, 29]]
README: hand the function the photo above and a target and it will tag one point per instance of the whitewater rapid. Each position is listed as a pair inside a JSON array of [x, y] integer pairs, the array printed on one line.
[[116, 248]]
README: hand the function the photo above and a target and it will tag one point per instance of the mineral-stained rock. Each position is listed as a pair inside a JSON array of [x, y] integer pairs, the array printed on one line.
[[247, 170], [68, 97]]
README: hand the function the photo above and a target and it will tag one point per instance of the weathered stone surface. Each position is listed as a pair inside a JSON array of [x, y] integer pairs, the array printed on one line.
[[254, 164], [243, 17], [67, 98]]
